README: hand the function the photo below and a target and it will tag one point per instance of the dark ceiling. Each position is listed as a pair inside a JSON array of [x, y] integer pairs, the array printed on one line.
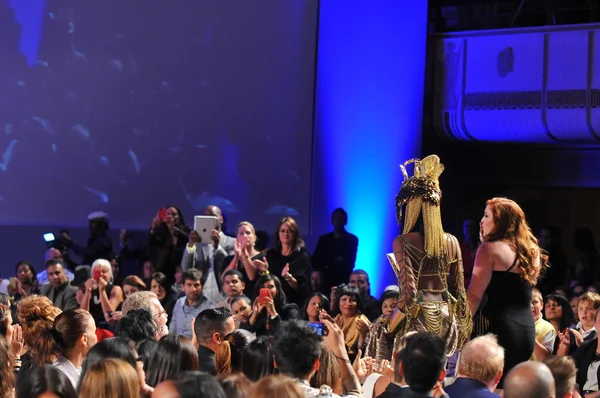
[[463, 15]]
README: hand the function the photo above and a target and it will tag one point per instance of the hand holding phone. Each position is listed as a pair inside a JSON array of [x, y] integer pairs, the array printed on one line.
[[162, 214], [319, 328], [264, 293], [97, 274]]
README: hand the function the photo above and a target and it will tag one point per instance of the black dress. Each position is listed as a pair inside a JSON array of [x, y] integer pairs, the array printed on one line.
[[508, 310]]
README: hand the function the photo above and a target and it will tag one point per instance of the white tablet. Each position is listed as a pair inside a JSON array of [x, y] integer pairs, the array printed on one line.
[[204, 226]]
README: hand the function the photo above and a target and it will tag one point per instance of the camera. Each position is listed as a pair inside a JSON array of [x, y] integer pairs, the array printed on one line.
[[56, 242]]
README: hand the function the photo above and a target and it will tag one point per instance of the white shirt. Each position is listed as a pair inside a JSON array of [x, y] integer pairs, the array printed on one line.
[[65, 366]]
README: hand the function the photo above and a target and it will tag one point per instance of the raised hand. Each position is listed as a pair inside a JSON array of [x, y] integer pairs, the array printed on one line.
[[285, 271], [238, 248], [261, 265]]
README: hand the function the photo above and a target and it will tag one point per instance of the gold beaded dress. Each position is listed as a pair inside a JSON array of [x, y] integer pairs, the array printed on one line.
[[428, 262]]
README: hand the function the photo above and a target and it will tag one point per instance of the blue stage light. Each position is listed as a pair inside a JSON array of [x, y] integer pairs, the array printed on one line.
[[368, 116]]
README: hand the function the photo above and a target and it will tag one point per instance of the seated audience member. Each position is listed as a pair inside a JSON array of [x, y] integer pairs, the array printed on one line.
[[101, 296], [382, 332], [160, 286], [189, 306], [371, 306], [268, 312], [44, 381], [328, 373], [138, 325], [53, 254], [277, 386], [149, 302], [228, 357], [236, 385], [564, 372], [422, 364], [7, 377], [58, 289], [544, 331], [351, 319], [241, 308], [396, 384], [587, 305], [233, 286], [115, 348], [173, 354], [257, 359], [69, 340], [110, 378], [530, 379], [36, 315], [313, 306], [132, 284], [297, 350], [190, 384], [25, 283], [211, 327], [587, 362], [479, 369]]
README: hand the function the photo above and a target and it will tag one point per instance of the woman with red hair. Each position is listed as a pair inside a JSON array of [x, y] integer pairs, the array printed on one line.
[[507, 266]]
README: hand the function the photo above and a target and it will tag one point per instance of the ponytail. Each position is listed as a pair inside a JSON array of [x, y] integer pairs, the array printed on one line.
[[223, 358], [47, 347]]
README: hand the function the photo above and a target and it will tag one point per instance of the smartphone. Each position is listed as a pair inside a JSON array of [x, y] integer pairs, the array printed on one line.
[[49, 237], [162, 214], [97, 274], [259, 256], [264, 293], [319, 328]]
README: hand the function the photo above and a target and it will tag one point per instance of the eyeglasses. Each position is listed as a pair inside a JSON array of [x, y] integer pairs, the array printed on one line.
[[140, 359]]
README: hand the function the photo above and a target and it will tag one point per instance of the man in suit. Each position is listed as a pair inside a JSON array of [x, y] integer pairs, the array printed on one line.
[[479, 369], [209, 257], [425, 356], [58, 288], [218, 236], [211, 327]]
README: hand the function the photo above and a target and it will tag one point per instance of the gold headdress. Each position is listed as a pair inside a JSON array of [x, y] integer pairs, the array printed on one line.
[[421, 193]]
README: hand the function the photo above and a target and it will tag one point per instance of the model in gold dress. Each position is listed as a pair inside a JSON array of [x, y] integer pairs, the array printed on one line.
[[427, 261]]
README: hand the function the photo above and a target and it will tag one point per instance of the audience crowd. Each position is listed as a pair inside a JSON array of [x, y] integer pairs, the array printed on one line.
[[234, 318]]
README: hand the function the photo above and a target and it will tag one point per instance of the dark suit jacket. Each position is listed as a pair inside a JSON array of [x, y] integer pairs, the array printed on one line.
[[65, 298], [201, 259], [206, 360], [395, 391], [463, 387]]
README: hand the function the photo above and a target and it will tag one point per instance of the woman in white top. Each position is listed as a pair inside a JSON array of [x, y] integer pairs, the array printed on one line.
[[70, 338]]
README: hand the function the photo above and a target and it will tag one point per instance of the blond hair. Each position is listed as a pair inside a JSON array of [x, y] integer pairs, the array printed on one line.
[[591, 297], [110, 378], [277, 386], [481, 359], [329, 371], [536, 293]]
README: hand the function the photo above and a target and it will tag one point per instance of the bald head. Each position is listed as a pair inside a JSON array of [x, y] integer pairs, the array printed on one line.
[[214, 211], [482, 359], [529, 379]]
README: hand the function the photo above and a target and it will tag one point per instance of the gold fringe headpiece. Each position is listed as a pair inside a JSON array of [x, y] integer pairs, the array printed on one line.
[[421, 193]]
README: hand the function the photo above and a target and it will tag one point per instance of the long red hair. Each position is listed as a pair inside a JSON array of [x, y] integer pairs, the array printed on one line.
[[511, 226]]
